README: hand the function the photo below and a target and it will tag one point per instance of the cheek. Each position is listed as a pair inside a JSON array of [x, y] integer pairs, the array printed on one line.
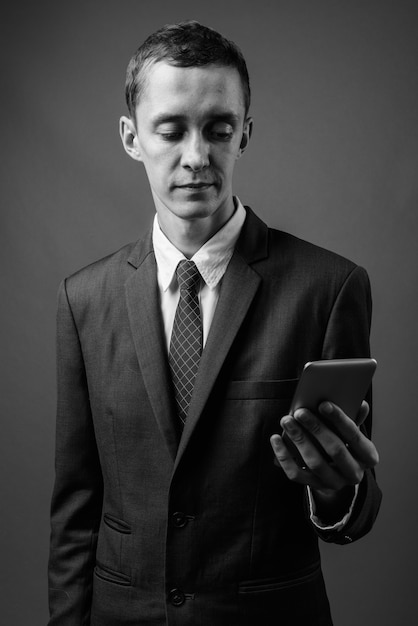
[[227, 154], [158, 166], [227, 162], [156, 155]]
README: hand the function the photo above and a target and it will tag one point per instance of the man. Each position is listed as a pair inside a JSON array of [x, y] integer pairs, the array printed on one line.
[[171, 505]]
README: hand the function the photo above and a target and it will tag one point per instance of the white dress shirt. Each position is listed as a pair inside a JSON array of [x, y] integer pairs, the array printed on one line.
[[211, 260]]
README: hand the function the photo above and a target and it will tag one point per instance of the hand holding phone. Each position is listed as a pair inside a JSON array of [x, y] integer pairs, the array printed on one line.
[[344, 382]]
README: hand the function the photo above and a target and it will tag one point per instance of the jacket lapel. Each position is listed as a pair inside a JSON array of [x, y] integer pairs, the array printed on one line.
[[239, 287], [148, 335]]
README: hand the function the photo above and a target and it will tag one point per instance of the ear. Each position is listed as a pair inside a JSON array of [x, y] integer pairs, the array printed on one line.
[[246, 136], [129, 138]]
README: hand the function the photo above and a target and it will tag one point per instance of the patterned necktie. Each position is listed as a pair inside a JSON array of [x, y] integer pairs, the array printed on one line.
[[186, 338]]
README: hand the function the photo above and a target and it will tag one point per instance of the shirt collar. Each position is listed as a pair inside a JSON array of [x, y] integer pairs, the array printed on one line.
[[211, 259]]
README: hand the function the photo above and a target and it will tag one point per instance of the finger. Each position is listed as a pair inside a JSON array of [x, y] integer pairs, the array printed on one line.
[[336, 466], [288, 464], [330, 461], [359, 445], [363, 413]]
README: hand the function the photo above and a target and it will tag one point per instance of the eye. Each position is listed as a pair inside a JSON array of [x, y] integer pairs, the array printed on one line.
[[173, 136], [221, 131], [170, 133]]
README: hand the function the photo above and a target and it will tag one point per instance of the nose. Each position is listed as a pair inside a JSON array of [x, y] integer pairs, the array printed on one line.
[[195, 154]]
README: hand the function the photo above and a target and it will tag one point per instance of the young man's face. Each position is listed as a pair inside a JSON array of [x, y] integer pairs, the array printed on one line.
[[190, 130]]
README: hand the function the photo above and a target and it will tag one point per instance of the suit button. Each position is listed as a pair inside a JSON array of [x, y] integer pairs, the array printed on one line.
[[176, 597], [179, 519]]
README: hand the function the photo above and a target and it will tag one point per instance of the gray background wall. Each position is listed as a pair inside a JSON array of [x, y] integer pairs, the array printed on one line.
[[333, 159]]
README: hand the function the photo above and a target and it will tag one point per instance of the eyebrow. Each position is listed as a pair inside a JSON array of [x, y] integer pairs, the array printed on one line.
[[166, 118]]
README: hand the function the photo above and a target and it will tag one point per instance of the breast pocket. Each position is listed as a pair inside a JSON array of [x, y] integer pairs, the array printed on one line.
[[255, 407], [261, 389]]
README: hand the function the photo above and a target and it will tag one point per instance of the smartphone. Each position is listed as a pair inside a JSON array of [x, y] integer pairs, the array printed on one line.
[[344, 382]]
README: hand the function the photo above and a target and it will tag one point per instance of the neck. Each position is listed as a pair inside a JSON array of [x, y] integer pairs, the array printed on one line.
[[189, 234]]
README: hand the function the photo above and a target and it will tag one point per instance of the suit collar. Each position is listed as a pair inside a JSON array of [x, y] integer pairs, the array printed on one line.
[[239, 287], [148, 335], [141, 250], [252, 243]]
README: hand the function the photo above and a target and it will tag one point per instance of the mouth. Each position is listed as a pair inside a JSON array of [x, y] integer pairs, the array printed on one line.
[[195, 186]]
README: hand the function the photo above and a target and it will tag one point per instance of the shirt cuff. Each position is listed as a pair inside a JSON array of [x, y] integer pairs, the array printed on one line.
[[338, 525]]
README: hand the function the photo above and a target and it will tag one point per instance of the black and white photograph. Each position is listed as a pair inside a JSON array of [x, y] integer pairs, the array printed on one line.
[[209, 282]]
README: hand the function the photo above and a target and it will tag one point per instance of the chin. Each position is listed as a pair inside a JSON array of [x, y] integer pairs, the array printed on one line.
[[195, 210]]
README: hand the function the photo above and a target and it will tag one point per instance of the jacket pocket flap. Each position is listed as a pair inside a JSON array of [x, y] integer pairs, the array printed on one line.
[[261, 389], [117, 524], [111, 575], [273, 584]]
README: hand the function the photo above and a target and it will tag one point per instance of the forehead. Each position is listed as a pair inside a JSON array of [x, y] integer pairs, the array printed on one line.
[[191, 90]]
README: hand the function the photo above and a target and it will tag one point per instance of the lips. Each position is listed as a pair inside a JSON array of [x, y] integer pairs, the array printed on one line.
[[195, 185]]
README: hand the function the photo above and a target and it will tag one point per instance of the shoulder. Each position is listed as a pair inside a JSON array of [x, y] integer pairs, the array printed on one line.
[[284, 247], [102, 268], [314, 265], [107, 276], [285, 257]]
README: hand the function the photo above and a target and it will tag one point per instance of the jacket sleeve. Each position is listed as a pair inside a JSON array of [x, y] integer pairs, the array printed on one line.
[[78, 490], [347, 336]]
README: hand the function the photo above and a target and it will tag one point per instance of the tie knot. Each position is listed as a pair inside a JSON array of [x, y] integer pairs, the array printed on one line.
[[188, 275]]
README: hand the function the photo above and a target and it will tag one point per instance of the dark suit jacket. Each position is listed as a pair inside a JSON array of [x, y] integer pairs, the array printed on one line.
[[204, 529]]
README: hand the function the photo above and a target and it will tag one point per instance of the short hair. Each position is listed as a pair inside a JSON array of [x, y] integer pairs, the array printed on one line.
[[187, 44]]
